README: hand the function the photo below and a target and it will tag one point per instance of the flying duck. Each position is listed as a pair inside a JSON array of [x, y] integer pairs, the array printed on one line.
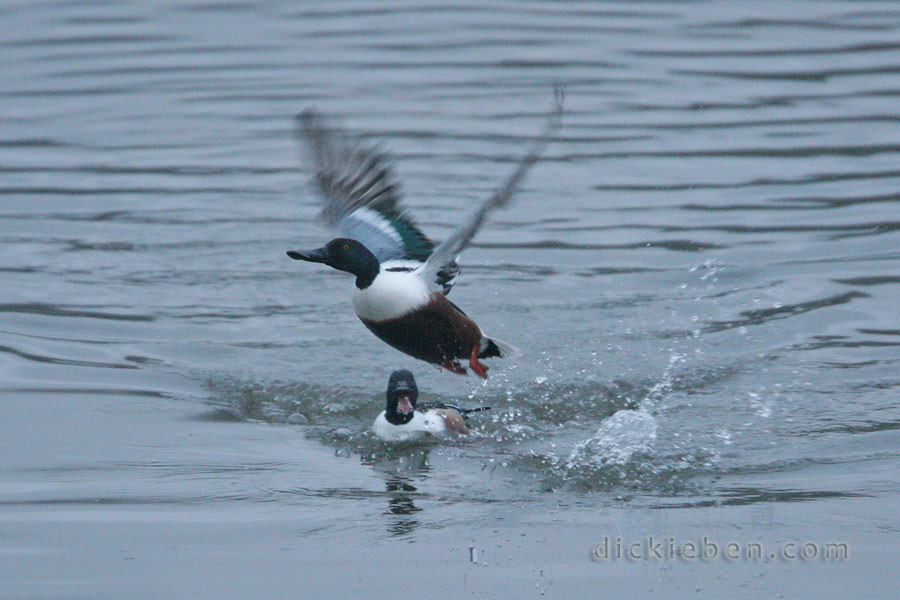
[[402, 279], [402, 421]]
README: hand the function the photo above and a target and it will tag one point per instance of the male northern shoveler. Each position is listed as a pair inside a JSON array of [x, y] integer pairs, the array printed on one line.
[[401, 278], [402, 421]]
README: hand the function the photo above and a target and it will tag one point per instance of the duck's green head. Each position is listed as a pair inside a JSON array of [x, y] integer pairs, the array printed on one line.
[[343, 254]]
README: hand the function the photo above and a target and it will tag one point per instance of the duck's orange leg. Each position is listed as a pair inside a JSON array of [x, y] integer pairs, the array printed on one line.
[[478, 368], [454, 367]]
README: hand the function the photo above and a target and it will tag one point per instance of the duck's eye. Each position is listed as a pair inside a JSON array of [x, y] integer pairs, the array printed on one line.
[[346, 247]]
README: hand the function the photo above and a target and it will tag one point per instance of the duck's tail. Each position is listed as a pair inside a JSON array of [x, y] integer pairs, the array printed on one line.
[[467, 411], [490, 347]]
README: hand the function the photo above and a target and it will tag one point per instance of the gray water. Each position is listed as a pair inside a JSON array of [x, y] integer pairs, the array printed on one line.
[[702, 271]]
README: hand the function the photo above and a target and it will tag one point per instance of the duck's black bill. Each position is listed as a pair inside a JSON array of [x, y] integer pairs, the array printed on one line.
[[318, 256]]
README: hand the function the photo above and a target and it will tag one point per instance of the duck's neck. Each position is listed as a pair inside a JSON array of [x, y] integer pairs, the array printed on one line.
[[364, 281], [366, 270]]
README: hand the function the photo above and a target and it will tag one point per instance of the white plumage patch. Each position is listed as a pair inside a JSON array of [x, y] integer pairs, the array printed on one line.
[[392, 294], [418, 426], [373, 218], [401, 264]]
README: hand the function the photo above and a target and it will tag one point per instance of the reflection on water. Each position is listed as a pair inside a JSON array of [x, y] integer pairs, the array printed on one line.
[[402, 506]]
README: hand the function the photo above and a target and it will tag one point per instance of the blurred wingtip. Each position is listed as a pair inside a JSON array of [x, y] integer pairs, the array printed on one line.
[[559, 92], [559, 100], [307, 114]]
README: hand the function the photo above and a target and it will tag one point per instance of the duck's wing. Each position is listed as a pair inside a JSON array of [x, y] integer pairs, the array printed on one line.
[[444, 279], [426, 406], [360, 197], [444, 256], [465, 412]]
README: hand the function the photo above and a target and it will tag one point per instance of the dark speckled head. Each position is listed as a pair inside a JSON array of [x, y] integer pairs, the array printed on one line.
[[402, 393], [344, 254]]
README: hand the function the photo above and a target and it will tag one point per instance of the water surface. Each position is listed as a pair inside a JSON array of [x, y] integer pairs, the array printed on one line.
[[702, 272]]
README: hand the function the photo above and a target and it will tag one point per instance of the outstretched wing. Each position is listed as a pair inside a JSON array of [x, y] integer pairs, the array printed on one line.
[[445, 254], [359, 195]]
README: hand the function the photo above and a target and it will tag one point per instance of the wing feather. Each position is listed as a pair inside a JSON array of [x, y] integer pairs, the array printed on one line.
[[444, 256], [359, 195]]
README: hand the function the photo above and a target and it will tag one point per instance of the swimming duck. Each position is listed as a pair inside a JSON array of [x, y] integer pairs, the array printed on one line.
[[402, 279], [402, 421]]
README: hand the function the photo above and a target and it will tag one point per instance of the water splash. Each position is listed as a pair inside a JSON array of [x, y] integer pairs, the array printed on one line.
[[617, 440], [537, 432], [626, 432]]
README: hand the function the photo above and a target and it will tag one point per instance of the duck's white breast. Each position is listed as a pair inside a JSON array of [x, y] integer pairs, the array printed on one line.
[[392, 294], [419, 425]]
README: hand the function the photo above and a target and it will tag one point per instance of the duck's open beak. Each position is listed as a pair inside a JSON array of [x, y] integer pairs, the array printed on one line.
[[404, 406], [319, 255]]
